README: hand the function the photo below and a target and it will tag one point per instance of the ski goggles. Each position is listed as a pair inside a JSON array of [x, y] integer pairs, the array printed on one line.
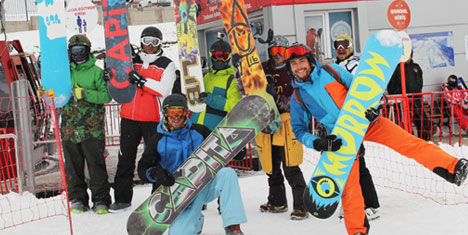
[[78, 50], [174, 112], [148, 40], [298, 50], [341, 44], [277, 50], [220, 55]]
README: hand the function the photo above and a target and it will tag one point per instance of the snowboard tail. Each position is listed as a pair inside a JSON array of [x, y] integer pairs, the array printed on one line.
[[248, 117], [379, 59]]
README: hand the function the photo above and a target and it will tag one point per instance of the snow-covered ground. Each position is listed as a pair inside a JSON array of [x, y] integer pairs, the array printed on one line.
[[401, 212]]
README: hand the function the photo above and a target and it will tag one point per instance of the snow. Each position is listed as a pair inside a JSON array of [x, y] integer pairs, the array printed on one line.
[[401, 212]]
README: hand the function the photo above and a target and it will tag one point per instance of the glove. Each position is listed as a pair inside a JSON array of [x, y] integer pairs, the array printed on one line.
[[202, 97], [236, 59], [41, 92], [327, 143], [136, 79], [372, 114], [107, 76], [162, 176], [270, 88], [78, 92]]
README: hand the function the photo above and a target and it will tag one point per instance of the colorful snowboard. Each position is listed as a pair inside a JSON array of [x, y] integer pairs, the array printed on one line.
[[189, 54], [248, 117], [118, 50], [55, 67], [242, 42], [379, 59]]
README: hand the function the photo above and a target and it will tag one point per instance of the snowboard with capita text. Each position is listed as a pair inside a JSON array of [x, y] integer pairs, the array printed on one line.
[[118, 50], [189, 54], [379, 59], [247, 118], [55, 66], [239, 31]]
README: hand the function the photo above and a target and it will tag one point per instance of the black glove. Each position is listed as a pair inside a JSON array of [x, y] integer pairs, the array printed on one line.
[[107, 76], [270, 88], [136, 79], [202, 97], [372, 114], [236, 59], [162, 176], [327, 143]]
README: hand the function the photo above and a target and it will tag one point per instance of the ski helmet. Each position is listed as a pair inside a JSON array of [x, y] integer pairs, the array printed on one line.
[[220, 45], [152, 32], [344, 37], [303, 50], [79, 48], [452, 80], [278, 41], [175, 101]]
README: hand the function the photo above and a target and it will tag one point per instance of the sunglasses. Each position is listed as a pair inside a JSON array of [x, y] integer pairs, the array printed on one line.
[[277, 50], [175, 112], [341, 44], [297, 50], [220, 55], [148, 40]]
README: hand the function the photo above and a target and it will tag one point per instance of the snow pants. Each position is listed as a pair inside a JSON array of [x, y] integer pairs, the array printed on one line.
[[460, 116], [131, 133], [75, 154], [225, 186]]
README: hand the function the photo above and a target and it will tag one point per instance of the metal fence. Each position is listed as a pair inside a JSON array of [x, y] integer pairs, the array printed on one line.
[[19, 10]]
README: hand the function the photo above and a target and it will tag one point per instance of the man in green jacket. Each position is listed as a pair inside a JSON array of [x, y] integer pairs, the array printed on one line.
[[82, 130]]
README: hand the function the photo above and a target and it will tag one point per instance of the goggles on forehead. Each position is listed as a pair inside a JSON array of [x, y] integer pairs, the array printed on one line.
[[277, 50], [148, 40], [220, 55], [297, 50], [175, 112], [341, 44]]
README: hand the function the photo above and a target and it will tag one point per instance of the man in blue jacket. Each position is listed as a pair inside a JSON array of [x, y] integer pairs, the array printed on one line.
[[176, 139]]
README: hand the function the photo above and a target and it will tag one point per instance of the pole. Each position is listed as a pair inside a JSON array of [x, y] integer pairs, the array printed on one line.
[[406, 117]]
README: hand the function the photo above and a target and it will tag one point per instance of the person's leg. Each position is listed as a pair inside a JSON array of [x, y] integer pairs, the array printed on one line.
[[277, 191], [93, 150], [369, 193], [130, 137], [74, 172], [459, 114], [296, 180]]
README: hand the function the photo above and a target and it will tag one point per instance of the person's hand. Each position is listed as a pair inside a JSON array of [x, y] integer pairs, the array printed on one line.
[[136, 79], [372, 114], [236, 59], [107, 75], [41, 92], [162, 176], [78, 92], [327, 143], [202, 97]]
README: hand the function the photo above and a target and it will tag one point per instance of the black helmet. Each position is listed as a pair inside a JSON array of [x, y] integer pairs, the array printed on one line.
[[220, 45], [152, 31], [306, 52], [79, 48], [175, 100], [79, 39], [452, 80]]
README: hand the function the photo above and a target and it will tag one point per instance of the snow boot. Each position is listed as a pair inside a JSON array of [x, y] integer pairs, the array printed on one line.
[[119, 206], [233, 230], [461, 171], [100, 208], [372, 213], [78, 207], [267, 207], [299, 215]]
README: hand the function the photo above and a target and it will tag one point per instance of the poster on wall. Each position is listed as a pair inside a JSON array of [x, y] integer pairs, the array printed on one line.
[[433, 50]]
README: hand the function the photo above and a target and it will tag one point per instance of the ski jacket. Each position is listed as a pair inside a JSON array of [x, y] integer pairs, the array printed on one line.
[[159, 72], [350, 64], [413, 79], [83, 119], [223, 94], [282, 84], [454, 97], [284, 137], [323, 96], [170, 149]]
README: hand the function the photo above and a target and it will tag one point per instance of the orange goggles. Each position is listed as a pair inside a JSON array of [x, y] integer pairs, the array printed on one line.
[[298, 50], [277, 50], [220, 55], [175, 112]]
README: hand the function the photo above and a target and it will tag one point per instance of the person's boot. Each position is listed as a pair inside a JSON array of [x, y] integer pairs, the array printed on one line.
[[461, 171], [233, 230], [299, 215], [119, 206], [372, 213], [267, 207], [78, 207]]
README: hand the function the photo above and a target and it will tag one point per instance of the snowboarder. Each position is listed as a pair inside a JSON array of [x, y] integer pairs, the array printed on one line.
[[176, 138], [458, 100], [154, 75], [324, 96], [282, 148]]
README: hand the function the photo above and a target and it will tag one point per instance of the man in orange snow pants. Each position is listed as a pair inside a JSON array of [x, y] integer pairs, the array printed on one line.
[[321, 94]]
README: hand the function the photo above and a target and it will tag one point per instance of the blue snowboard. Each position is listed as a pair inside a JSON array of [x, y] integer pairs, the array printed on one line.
[[118, 50], [379, 59], [55, 68]]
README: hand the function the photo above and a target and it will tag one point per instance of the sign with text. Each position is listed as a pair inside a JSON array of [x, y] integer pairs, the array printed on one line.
[[82, 16], [398, 14]]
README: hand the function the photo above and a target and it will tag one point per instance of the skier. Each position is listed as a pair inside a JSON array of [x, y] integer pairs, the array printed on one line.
[[453, 92], [343, 45], [154, 75], [82, 130], [282, 148], [324, 96], [176, 138]]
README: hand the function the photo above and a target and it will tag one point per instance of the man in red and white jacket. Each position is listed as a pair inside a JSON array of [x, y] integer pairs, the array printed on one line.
[[454, 94], [154, 75]]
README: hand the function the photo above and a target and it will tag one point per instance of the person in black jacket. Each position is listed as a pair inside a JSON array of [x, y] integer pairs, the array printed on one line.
[[414, 84]]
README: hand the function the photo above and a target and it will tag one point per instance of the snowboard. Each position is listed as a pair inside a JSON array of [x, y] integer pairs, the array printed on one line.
[[379, 59], [118, 50], [189, 53], [248, 117], [55, 67], [246, 56]]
